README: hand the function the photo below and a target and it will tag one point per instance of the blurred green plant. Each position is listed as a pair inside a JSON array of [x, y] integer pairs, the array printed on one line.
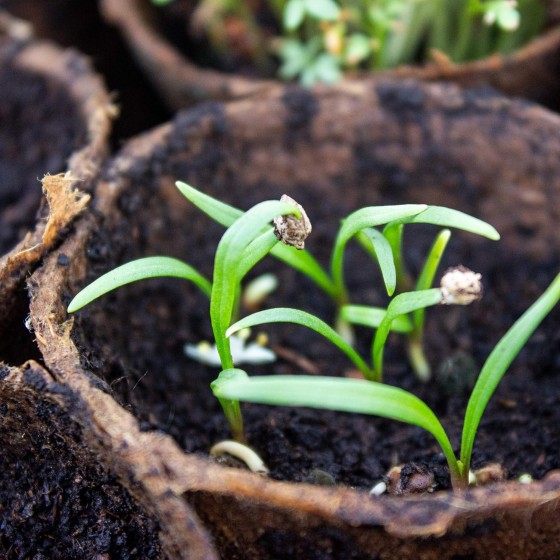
[[319, 40]]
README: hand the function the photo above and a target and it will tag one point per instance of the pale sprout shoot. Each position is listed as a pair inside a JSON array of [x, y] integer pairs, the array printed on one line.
[[257, 290], [242, 351], [242, 452], [379, 489]]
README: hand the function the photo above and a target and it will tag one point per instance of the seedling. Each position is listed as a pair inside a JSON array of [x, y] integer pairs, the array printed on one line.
[[249, 237], [366, 397], [243, 244], [386, 248]]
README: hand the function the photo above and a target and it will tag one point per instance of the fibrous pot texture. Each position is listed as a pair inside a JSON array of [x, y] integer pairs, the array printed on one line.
[[55, 123], [147, 410], [56, 499], [532, 72]]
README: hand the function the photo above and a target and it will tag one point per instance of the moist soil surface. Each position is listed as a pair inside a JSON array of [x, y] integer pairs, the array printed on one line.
[[56, 501], [135, 336]]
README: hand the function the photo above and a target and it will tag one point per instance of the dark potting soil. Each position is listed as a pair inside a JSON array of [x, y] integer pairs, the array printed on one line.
[[56, 502], [135, 337], [41, 128]]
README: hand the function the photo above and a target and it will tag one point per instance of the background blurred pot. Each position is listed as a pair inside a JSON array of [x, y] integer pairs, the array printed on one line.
[[55, 117], [357, 143], [532, 72]]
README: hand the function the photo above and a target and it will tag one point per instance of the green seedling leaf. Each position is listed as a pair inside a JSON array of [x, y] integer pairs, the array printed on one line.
[[428, 272], [347, 395], [326, 10], [372, 317], [141, 269], [499, 361], [304, 262], [447, 217], [325, 69], [230, 254], [393, 232], [361, 219], [298, 317], [376, 244], [400, 305], [226, 215], [294, 12], [294, 57], [255, 251], [358, 48], [220, 212], [415, 347]]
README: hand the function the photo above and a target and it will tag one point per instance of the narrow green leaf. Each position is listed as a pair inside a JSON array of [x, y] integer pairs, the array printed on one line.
[[368, 316], [255, 251], [229, 255], [400, 305], [393, 232], [499, 361], [304, 262], [361, 219], [294, 12], [447, 217], [222, 213], [298, 317], [377, 245], [347, 395], [326, 10], [426, 277], [226, 215], [140, 269]]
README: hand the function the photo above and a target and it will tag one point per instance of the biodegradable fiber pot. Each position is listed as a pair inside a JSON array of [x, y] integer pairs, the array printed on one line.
[[532, 72], [141, 403], [57, 500], [55, 117]]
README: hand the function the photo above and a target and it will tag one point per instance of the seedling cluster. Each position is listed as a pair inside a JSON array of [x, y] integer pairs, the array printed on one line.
[[319, 40], [250, 236]]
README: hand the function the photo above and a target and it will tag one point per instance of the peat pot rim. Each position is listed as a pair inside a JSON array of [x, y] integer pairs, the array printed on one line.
[[73, 72]]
